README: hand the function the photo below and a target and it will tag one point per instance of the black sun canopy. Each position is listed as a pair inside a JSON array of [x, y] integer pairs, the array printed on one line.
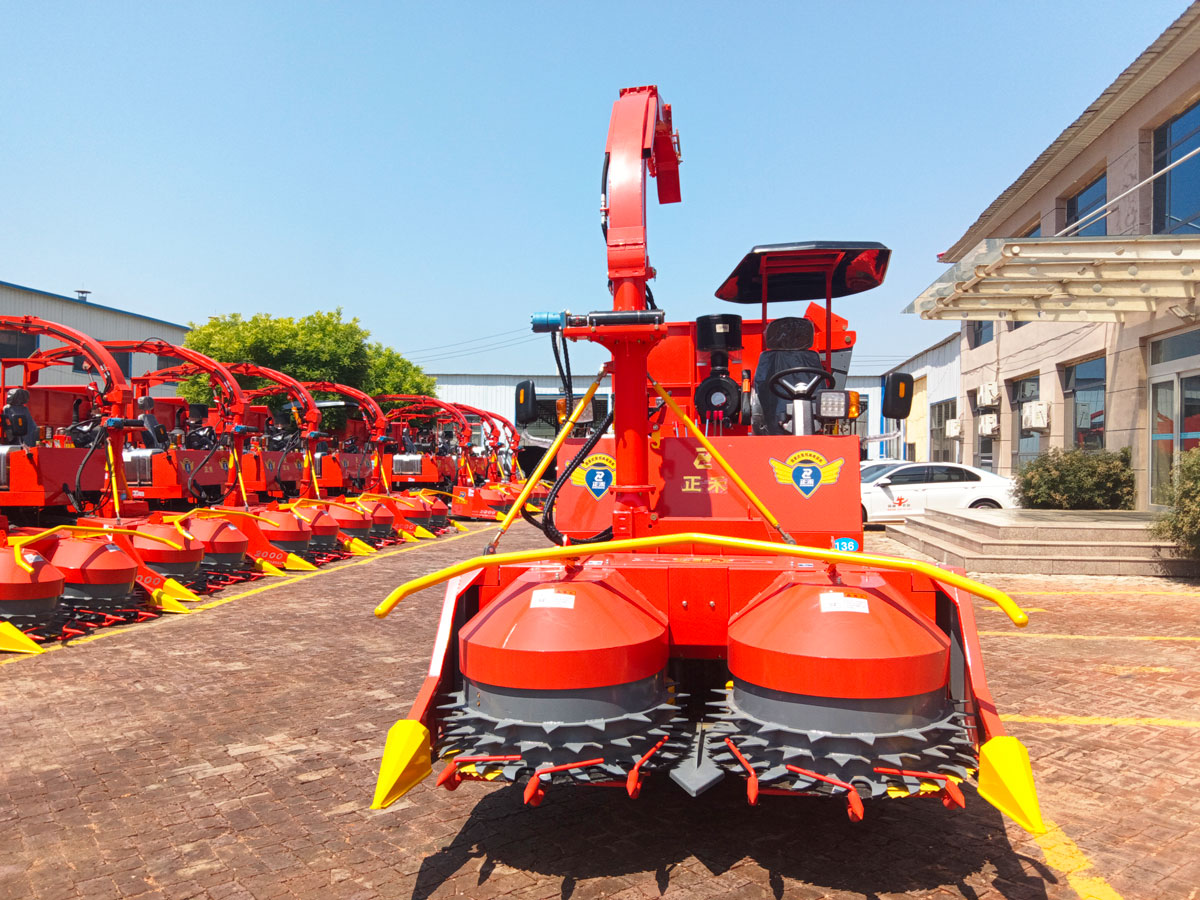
[[812, 270]]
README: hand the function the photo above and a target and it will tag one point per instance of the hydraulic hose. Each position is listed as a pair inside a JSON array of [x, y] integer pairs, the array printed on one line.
[[76, 496], [191, 482], [547, 523]]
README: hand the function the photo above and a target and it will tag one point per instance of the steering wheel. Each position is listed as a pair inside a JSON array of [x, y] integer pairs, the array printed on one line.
[[785, 390]]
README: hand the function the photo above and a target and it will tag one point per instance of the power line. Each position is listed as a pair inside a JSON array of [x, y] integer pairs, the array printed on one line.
[[489, 337], [475, 350], [424, 361]]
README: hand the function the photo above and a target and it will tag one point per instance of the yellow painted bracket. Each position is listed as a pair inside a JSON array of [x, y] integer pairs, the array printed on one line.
[[12, 640], [1006, 782], [406, 762], [548, 457], [720, 460], [1001, 599]]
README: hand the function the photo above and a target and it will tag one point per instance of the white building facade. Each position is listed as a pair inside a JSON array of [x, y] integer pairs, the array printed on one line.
[[104, 323]]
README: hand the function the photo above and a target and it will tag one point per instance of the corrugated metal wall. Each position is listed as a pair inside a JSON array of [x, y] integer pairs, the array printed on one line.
[[97, 321], [497, 393]]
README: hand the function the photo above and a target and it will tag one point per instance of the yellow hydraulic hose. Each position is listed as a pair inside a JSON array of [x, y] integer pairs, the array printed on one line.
[[733, 476], [547, 458], [1001, 599]]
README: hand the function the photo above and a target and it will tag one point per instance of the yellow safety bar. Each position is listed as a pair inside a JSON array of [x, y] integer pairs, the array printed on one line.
[[547, 458], [1001, 599], [733, 476], [391, 498], [208, 513], [353, 505], [20, 540]]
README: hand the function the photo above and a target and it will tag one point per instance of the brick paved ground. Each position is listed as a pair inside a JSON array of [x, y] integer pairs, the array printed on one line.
[[232, 754]]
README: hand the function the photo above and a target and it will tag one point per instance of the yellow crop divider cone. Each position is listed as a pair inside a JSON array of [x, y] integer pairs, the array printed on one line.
[[13, 640], [406, 762], [1006, 782]]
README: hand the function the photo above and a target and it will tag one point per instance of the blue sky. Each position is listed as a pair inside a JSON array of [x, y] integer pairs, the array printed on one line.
[[433, 169]]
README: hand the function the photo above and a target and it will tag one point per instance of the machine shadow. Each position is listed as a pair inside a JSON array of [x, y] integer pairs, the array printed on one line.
[[583, 833]]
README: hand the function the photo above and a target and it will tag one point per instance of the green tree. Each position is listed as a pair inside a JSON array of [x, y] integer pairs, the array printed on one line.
[[322, 346], [390, 373]]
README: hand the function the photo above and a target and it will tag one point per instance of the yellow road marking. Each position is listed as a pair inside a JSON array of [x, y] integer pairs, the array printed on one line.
[[1102, 593], [1064, 854], [275, 583], [1101, 720], [1090, 637]]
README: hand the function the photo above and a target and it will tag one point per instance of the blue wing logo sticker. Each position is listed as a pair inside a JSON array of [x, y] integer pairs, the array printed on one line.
[[596, 474], [806, 470]]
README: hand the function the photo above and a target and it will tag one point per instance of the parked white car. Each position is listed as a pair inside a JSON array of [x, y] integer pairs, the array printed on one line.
[[894, 490]]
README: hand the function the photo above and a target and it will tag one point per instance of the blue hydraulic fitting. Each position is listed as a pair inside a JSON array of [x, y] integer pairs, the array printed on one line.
[[544, 322]]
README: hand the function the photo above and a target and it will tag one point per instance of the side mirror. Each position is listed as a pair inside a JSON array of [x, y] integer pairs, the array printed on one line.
[[526, 411], [883, 482], [897, 395]]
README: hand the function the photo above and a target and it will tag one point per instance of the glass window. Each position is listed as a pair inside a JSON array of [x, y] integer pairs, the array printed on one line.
[[945, 474], [167, 362], [1035, 231], [941, 448], [979, 332], [547, 427], [124, 363], [1028, 443], [1085, 405], [1177, 194], [1090, 199], [1162, 438], [1177, 346], [910, 475], [870, 473], [14, 345], [983, 443]]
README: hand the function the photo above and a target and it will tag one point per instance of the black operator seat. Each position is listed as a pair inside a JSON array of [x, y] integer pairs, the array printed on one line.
[[155, 435], [787, 344], [18, 425]]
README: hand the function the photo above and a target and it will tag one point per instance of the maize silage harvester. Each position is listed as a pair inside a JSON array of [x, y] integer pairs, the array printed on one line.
[[436, 438], [707, 611], [61, 457], [428, 438]]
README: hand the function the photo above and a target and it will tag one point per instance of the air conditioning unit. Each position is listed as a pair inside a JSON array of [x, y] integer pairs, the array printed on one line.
[[1035, 416], [954, 429], [988, 395], [989, 424]]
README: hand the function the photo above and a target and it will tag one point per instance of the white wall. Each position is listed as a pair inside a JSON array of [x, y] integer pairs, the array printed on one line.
[[497, 393], [99, 322]]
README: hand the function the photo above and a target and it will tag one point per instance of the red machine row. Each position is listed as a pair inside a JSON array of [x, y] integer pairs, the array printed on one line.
[[117, 504]]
